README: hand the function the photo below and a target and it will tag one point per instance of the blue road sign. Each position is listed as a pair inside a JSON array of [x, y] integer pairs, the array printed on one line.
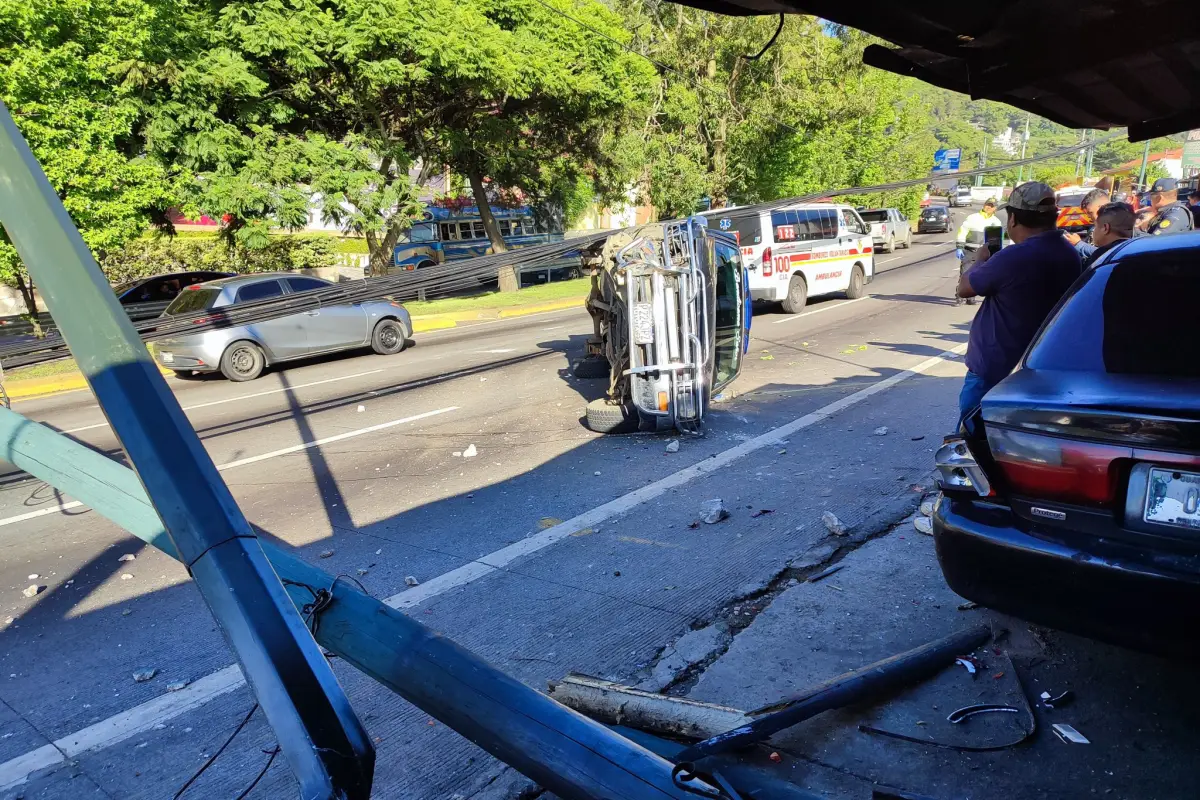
[[945, 160]]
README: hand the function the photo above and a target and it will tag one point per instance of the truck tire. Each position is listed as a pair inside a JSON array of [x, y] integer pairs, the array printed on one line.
[[242, 361], [908, 240], [604, 418], [890, 246], [797, 295], [592, 367], [857, 282], [388, 338]]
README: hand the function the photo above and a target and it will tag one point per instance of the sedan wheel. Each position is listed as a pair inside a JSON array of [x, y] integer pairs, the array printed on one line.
[[388, 337], [242, 361]]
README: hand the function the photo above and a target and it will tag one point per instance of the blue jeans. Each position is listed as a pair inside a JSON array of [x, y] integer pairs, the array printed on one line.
[[973, 390]]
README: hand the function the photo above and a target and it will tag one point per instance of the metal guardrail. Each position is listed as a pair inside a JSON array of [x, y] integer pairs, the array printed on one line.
[[19, 325]]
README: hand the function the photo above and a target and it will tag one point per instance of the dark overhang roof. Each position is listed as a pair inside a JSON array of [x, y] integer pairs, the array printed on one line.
[[1082, 63]]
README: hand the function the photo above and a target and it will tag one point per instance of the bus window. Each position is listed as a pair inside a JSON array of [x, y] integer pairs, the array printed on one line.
[[449, 232], [424, 232], [464, 231], [505, 227], [478, 231]]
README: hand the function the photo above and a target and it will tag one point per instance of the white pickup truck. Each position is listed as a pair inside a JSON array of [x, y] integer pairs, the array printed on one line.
[[889, 228]]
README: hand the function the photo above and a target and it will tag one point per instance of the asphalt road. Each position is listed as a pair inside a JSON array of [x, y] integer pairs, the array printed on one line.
[[358, 463]]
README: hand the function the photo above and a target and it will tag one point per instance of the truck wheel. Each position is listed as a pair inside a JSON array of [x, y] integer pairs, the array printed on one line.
[[797, 295], [908, 240], [890, 246], [388, 338], [242, 361], [604, 418], [857, 281], [589, 368]]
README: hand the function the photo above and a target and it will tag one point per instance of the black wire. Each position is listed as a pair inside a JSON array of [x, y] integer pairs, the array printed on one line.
[[216, 755], [766, 46], [260, 775]]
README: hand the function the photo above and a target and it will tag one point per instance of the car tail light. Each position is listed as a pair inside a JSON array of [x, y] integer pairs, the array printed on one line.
[[766, 262], [1060, 469], [959, 469], [204, 320]]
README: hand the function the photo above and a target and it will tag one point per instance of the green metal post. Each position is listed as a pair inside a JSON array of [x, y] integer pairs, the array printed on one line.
[[325, 744], [565, 752], [1145, 163]]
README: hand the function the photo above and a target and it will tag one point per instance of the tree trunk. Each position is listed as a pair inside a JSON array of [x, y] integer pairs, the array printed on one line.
[[509, 281], [31, 309]]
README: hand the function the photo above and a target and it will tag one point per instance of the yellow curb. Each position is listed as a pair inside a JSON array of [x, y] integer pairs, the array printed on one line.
[[431, 324], [44, 387], [558, 305]]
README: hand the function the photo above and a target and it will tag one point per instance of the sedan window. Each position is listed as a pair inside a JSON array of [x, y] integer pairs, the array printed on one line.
[[306, 284], [259, 291]]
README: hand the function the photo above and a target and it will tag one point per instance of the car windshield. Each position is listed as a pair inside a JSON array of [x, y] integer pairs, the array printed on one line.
[[880, 215], [933, 212], [1136, 316], [193, 299]]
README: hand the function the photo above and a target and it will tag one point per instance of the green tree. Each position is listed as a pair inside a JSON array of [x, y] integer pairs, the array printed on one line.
[[58, 59]]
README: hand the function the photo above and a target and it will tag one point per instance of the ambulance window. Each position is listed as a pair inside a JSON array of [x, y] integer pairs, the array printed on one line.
[[748, 230]]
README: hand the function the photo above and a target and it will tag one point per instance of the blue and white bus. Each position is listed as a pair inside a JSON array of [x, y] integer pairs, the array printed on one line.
[[446, 235]]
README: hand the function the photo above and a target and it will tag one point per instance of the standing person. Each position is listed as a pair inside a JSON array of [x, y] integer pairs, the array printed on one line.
[[1020, 285], [1093, 201], [971, 235], [1114, 224], [1170, 215], [1194, 202]]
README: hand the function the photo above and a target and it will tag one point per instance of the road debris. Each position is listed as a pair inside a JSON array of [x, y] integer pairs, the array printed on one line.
[[176, 686], [968, 663], [361, 409], [615, 703], [775, 757], [32, 591], [143, 675], [362, 571], [881, 430], [470, 452], [34, 576], [833, 524], [1068, 734], [918, 438], [693, 525], [825, 573], [325, 554], [616, 573], [411, 581], [127, 557], [965, 713], [1050, 701], [713, 511], [927, 506], [125, 612], [548, 522], [9, 620], [923, 525], [762, 512], [968, 606], [673, 446]]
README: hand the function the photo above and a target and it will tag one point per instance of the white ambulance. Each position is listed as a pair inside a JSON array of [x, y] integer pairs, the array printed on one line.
[[801, 251]]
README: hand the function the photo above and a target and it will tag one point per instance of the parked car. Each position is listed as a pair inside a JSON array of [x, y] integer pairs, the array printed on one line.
[[801, 251], [162, 288], [1072, 218], [242, 353], [1075, 500], [889, 228], [934, 218], [960, 197]]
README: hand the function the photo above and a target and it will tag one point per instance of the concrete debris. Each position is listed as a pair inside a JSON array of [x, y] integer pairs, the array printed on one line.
[[470, 452], [178, 685], [833, 524], [881, 430], [143, 675], [411, 581], [923, 525], [32, 591], [362, 409], [126, 612], [546, 523], [325, 554], [34, 576], [362, 572], [927, 506], [1068, 734], [713, 511], [9, 620], [379, 552], [967, 606], [596, 473], [694, 647], [673, 446], [127, 557]]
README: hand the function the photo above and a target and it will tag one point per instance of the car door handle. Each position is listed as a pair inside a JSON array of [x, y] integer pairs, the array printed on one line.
[[313, 313]]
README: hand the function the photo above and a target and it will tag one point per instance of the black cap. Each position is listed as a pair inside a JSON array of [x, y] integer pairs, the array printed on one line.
[[1165, 185]]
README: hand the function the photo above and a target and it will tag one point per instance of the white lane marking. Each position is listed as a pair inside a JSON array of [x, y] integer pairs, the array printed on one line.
[[144, 717], [500, 350], [554, 328], [506, 555], [120, 727], [818, 311], [246, 396], [54, 509], [241, 462], [886, 260]]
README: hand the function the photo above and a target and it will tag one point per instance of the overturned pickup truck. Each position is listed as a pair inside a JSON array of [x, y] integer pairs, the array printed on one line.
[[671, 322]]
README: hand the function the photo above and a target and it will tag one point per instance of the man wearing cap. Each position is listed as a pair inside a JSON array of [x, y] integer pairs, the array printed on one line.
[[971, 234], [1170, 215], [1019, 284]]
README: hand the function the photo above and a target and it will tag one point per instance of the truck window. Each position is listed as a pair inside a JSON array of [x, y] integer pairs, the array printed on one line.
[[727, 345]]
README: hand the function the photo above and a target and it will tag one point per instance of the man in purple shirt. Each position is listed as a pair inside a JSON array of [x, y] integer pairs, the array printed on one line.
[[1020, 285]]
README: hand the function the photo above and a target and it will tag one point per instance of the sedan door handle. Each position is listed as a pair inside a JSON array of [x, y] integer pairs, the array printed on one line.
[[313, 313]]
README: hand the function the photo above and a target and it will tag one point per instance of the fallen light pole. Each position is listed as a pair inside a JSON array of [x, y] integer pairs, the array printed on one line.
[[564, 751]]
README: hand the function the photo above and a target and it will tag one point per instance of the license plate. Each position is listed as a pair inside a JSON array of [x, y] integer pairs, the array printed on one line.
[[643, 323], [167, 358], [1173, 498]]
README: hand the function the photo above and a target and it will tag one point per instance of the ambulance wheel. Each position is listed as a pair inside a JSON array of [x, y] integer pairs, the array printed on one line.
[[857, 282], [797, 295]]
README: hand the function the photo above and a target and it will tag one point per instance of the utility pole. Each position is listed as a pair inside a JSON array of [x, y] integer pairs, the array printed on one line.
[[1024, 144], [1091, 153], [1079, 157], [983, 158], [1145, 161]]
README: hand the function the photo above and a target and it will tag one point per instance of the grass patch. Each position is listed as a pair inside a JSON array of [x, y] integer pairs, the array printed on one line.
[[34, 371], [534, 295], [345, 244]]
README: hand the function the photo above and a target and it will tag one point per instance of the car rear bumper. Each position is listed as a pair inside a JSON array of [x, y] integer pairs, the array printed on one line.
[[177, 356], [1110, 591]]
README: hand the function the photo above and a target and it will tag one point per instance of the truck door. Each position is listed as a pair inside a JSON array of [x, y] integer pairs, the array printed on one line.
[[732, 326]]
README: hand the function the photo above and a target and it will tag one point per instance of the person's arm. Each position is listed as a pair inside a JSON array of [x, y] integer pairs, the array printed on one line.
[[983, 277], [960, 238], [1085, 249]]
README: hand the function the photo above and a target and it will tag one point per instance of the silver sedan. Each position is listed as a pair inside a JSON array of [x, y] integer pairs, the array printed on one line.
[[241, 353]]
